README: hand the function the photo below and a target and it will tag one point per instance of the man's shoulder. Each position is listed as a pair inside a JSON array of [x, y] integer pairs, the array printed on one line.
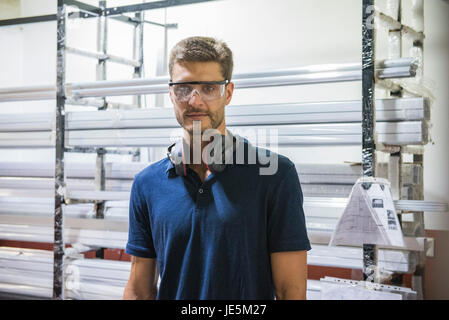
[[153, 170], [266, 157], [265, 166]]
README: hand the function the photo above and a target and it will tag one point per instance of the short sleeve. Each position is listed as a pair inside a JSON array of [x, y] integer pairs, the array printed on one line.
[[140, 241], [286, 222]]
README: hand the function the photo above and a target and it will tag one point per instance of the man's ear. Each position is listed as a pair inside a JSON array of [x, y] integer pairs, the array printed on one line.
[[169, 94], [229, 91]]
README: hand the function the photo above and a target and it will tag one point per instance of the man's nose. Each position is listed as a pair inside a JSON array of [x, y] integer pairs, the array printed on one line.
[[195, 97]]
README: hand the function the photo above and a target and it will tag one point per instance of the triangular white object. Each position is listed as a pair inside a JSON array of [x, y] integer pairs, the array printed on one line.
[[369, 217]]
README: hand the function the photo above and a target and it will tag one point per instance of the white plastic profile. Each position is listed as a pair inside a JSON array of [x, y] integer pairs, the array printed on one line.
[[404, 67]]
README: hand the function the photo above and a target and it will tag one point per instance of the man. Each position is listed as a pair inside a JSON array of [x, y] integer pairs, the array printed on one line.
[[223, 233]]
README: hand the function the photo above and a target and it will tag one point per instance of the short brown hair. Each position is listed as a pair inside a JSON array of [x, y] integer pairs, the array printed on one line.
[[203, 49]]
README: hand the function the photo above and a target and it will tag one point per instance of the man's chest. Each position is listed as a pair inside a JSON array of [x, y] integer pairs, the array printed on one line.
[[195, 208]]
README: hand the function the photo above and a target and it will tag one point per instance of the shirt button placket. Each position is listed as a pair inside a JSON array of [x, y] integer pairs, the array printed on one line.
[[202, 195]]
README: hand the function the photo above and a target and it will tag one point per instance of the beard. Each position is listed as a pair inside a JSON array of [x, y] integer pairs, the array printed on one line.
[[213, 121]]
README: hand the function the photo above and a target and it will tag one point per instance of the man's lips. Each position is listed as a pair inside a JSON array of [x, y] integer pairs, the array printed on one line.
[[196, 115]]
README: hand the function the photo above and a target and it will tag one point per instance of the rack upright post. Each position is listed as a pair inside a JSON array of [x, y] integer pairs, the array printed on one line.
[[368, 123], [58, 245]]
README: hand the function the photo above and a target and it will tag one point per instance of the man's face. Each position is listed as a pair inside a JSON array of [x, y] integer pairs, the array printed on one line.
[[210, 113]]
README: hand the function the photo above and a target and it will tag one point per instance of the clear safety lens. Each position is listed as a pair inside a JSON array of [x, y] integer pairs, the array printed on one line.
[[207, 92]]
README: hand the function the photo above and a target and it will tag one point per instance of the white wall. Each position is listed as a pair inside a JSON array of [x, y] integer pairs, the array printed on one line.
[[9, 9], [436, 159], [263, 34], [279, 34], [436, 68]]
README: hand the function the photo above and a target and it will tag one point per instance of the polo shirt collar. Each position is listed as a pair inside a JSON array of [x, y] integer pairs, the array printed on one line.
[[171, 166]]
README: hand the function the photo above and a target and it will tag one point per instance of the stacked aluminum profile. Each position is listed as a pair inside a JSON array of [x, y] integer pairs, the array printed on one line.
[[29, 272], [400, 122], [95, 238], [322, 214], [323, 186], [317, 180]]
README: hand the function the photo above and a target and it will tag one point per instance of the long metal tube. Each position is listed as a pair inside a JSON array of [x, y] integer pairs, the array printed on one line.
[[103, 56], [102, 36], [243, 83], [139, 56], [138, 53], [38, 95], [320, 68], [58, 245], [27, 89], [150, 6], [329, 70], [298, 76]]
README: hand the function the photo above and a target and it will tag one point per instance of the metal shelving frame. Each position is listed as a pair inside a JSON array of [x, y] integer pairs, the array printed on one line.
[[64, 92], [368, 113], [103, 57], [368, 121], [398, 33], [102, 12]]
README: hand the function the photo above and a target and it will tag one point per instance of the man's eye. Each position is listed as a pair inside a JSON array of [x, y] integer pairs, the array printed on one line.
[[183, 89], [209, 89]]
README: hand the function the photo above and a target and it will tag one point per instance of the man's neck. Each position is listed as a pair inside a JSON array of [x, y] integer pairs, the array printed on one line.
[[195, 142]]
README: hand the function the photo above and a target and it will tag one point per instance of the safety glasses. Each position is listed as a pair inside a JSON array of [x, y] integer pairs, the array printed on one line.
[[207, 90]]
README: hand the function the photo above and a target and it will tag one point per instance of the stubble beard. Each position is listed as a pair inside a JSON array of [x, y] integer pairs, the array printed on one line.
[[215, 121]]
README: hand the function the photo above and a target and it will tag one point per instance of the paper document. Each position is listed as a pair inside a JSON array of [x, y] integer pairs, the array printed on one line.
[[369, 217]]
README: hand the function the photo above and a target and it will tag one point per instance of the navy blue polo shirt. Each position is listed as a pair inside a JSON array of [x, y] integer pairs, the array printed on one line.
[[213, 239]]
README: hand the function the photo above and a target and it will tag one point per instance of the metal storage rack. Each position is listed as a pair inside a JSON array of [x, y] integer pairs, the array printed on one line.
[[401, 122]]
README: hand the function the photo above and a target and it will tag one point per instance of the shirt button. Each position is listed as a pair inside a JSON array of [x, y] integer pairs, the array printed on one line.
[[201, 190]]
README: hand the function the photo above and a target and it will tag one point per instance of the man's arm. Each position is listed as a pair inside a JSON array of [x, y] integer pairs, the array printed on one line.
[[289, 270], [142, 283]]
